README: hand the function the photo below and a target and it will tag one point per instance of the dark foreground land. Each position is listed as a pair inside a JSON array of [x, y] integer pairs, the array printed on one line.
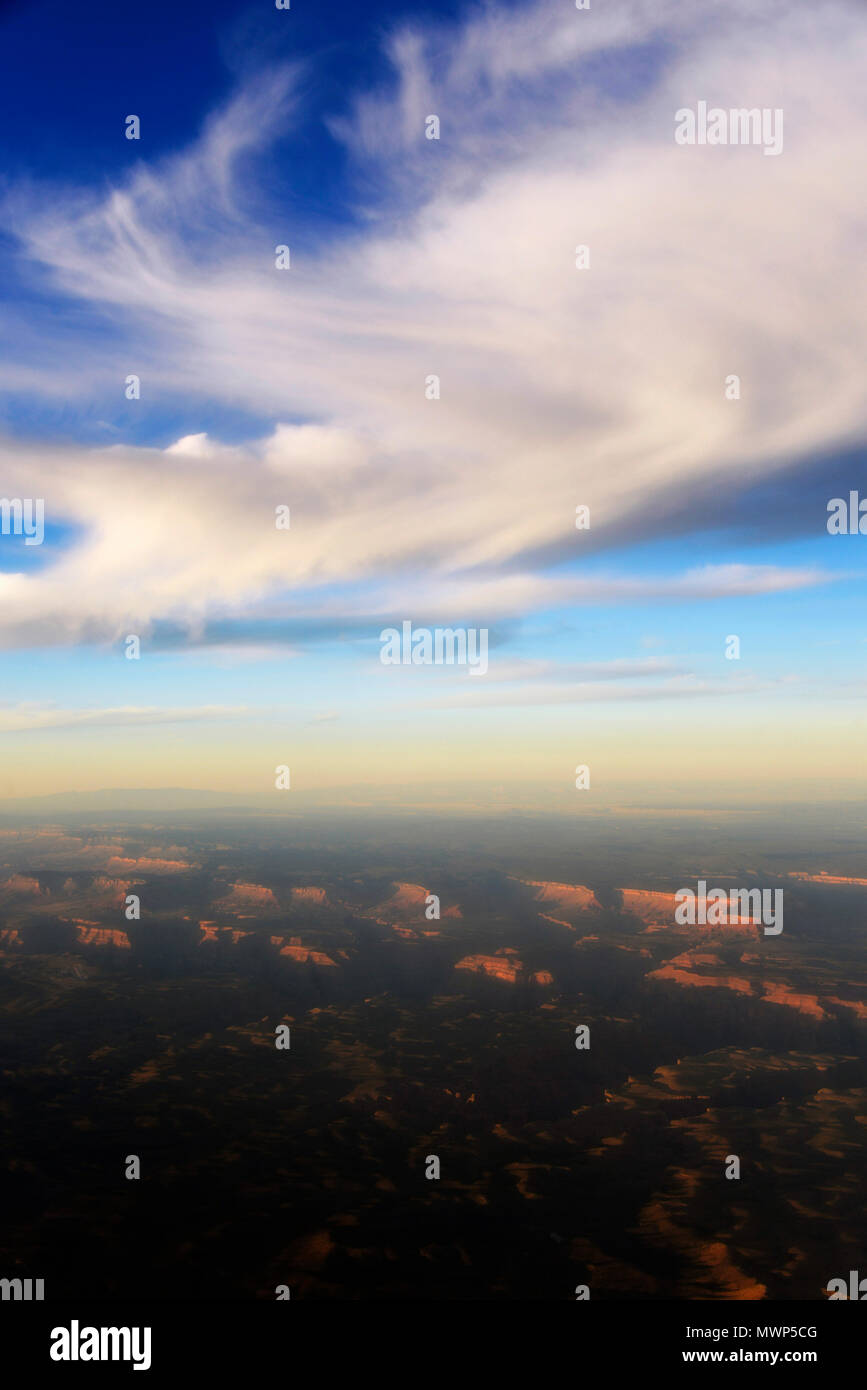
[[414, 1036]]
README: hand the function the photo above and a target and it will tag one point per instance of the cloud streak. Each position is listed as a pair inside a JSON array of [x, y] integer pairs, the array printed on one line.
[[27, 717]]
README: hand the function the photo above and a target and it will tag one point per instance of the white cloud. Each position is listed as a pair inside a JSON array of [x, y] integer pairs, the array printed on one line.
[[687, 687], [20, 718], [559, 386]]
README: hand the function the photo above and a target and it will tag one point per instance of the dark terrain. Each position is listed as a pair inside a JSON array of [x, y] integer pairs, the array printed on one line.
[[413, 1035]]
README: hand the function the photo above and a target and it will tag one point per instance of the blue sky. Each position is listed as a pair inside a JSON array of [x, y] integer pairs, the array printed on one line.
[[306, 387], [68, 71]]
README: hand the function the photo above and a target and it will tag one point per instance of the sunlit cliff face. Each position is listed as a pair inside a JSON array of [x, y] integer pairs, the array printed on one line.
[[247, 898], [504, 966], [295, 951], [101, 936]]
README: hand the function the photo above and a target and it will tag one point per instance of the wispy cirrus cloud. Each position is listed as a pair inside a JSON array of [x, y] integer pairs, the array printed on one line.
[[605, 692], [558, 387], [30, 717]]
